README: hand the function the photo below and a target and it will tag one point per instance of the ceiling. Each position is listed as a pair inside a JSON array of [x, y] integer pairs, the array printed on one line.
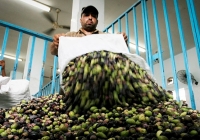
[[21, 14]]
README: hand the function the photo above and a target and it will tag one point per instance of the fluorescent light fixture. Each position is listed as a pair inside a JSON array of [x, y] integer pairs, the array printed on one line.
[[38, 5], [141, 49], [11, 57]]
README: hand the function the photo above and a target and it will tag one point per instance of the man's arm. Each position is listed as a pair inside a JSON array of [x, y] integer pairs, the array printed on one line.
[[2, 64], [54, 49], [3, 72], [55, 43], [125, 37]]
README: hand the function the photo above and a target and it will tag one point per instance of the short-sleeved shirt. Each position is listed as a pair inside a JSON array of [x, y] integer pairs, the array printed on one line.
[[80, 33]]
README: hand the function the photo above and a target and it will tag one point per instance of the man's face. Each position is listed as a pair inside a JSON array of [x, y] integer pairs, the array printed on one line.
[[89, 21]]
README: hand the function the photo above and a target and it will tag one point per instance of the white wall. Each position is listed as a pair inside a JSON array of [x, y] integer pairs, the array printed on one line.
[[193, 68], [19, 75], [36, 64]]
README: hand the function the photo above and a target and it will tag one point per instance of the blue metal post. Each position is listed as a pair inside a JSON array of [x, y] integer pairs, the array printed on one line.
[[149, 51], [5, 39], [159, 44], [31, 58], [195, 27], [169, 36], [119, 25], [17, 55], [127, 31], [122, 15], [42, 70], [54, 74], [145, 34], [57, 84], [135, 30], [113, 28], [183, 45], [106, 30], [25, 31]]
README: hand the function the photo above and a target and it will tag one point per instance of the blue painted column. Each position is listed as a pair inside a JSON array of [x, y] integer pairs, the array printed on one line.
[[32, 70]]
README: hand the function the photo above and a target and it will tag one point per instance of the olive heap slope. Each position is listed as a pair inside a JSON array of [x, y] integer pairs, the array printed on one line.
[[107, 79], [106, 97]]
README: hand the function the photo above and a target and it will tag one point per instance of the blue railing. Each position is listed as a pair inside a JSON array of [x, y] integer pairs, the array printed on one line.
[[46, 90], [34, 35], [147, 37]]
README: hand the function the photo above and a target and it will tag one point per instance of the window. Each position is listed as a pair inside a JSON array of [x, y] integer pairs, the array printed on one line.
[[181, 94]]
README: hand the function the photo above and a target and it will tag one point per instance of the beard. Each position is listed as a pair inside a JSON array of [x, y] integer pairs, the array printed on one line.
[[89, 27]]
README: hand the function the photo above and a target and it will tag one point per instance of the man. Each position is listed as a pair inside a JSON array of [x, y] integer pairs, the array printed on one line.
[[89, 21], [2, 64]]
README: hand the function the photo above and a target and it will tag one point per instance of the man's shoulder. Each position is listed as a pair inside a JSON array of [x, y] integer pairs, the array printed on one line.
[[80, 33], [71, 33], [100, 32]]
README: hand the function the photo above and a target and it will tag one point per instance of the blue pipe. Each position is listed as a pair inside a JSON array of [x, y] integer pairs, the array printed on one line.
[[148, 36], [31, 58], [17, 55], [145, 36], [26, 31], [194, 25], [42, 70], [113, 28], [127, 30], [119, 25], [169, 36], [183, 45], [197, 27], [123, 14], [5, 39], [54, 75], [159, 44], [135, 30]]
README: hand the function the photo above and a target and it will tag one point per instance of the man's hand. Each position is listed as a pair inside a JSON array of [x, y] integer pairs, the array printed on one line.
[[55, 43], [2, 64], [124, 36]]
